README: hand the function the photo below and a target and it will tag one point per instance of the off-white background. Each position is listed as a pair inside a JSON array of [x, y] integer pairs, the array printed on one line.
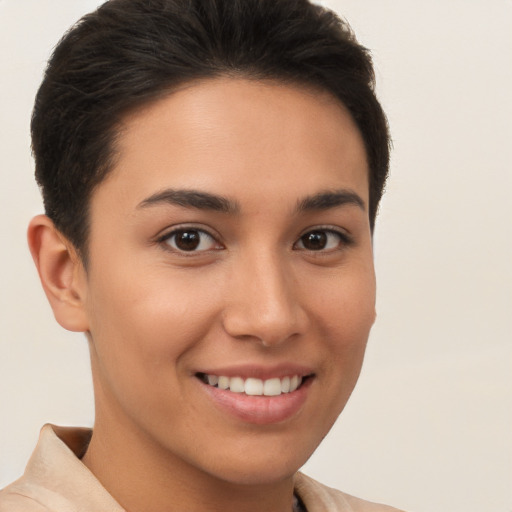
[[429, 427]]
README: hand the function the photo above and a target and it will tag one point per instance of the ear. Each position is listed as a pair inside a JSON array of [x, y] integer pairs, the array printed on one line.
[[61, 272]]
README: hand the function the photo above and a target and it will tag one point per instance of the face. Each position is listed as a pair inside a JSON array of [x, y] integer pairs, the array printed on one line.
[[230, 289]]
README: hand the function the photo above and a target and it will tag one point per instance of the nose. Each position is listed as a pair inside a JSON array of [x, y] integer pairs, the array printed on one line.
[[264, 302]]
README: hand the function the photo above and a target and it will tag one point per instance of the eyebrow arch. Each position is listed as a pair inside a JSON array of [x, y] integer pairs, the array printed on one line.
[[191, 199], [330, 199]]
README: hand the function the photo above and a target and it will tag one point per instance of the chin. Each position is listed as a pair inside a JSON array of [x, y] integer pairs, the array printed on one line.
[[263, 465], [269, 473]]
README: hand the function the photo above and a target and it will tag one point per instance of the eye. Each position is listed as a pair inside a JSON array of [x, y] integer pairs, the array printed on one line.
[[322, 240], [190, 240]]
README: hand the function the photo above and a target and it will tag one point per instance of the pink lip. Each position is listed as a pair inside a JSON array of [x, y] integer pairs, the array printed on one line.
[[260, 372], [259, 410]]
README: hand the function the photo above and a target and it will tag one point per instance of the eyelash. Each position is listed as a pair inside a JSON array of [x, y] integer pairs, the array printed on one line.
[[344, 240], [167, 237]]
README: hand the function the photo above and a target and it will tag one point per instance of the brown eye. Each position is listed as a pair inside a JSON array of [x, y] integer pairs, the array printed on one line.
[[314, 240], [322, 240], [190, 240], [187, 240]]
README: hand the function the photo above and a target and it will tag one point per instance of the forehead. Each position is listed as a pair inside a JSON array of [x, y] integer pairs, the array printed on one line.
[[230, 136]]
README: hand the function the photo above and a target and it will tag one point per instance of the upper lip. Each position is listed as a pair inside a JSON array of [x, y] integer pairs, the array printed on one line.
[[259, 372]]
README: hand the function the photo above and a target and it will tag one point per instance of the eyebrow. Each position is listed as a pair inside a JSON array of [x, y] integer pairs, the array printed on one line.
[[330, 199], [212, 202], [191, 199]]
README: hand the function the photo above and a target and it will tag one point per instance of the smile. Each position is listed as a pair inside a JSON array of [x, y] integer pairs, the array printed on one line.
[[252, 386], [260, 401]]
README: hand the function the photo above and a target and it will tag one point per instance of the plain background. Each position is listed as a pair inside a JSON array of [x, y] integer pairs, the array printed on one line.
[[429, 427]]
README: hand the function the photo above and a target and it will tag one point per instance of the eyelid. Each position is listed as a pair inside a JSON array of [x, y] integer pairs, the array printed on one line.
[[345, 238], [168, 233]]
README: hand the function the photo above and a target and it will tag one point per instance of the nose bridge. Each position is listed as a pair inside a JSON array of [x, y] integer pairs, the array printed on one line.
[[264, 302]]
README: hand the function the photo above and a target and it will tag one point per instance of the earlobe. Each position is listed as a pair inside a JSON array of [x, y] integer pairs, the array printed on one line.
[[61, 272]]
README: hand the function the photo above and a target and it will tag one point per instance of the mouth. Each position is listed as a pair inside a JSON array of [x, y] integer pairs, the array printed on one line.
[[255, 387], [258, 395]]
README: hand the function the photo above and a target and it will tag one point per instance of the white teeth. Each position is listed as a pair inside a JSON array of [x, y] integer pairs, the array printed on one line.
[[236, 384], [213, 380], [223, 382], [272, 387], [255, 387], [294, 383]]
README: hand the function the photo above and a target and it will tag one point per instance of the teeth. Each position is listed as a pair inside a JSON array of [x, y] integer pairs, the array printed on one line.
[[272, 387], [213, 380], [236, 385], [255, 387], [223, 382], [285, 385]]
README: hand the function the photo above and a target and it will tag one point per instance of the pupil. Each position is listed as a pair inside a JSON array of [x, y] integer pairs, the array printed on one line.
[[187, 240], [315, 240]]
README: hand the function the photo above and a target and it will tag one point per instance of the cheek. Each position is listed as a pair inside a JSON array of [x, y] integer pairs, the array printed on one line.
[[346, 312], [141, 335], [140, 326], [346, 306]]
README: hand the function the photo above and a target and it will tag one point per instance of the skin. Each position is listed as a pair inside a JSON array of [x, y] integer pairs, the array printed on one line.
[[252, 296]]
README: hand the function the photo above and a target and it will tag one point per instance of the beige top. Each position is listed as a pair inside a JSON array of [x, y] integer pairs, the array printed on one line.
[[55, 480]]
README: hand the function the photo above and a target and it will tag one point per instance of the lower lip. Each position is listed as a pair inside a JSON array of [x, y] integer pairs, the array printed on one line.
[[260, 410]]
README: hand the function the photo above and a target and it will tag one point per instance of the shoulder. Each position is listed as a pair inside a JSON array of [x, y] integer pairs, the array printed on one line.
[[319, 497], [56, 480], [359, 505], [13, 499]]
